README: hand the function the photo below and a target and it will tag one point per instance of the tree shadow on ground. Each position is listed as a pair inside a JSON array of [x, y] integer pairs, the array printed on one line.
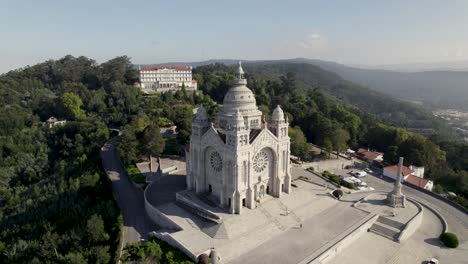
[[433, 241]]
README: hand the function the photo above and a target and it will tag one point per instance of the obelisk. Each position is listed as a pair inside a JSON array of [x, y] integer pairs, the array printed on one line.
[[396, 198]]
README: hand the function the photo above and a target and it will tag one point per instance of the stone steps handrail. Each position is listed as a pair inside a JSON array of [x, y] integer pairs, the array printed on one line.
[[194, 208]]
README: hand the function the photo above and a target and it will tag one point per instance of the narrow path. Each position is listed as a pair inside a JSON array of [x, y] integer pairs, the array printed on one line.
[[129, 197]]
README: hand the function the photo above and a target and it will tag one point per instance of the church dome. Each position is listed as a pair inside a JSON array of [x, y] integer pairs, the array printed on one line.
[[239, 96], [278, 114]]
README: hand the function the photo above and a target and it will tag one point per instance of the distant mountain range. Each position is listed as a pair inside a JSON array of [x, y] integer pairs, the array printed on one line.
[[434, 88], [418, 67]]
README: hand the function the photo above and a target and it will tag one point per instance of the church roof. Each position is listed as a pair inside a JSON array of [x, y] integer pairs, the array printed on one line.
[[278, 114], [160, 67], [253, 134], [239, 96], [222, 134]]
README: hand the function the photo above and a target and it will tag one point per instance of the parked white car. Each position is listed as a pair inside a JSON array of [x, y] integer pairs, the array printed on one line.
[[432, 261], [368, 170]]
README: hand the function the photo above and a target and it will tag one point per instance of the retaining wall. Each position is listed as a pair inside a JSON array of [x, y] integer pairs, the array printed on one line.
[[440, 197], [414, 223], [158, 217], [171, 241], [334, 247], [441, 218]]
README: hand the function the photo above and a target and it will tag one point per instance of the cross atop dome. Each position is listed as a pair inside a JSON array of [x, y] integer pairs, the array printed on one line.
[[240, 71]]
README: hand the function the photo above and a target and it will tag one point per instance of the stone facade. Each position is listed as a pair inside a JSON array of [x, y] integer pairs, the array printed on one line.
[[244, 159], [166, 78]]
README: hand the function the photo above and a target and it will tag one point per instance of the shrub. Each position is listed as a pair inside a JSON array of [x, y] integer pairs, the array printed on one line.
[[348, 185], [203, 259], [311, 168], [326, 174], [135, 174], [334, 178], [438, 188], [449, 239]]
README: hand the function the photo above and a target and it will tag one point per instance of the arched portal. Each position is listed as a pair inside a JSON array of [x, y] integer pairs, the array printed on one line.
[[264, 169], [212, 171]]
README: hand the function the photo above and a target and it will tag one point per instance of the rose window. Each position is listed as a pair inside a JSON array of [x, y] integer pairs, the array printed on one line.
[[260, 161], [216, 161]]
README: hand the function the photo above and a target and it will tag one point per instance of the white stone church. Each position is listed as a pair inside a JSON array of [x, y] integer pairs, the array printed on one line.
[[244, 159]]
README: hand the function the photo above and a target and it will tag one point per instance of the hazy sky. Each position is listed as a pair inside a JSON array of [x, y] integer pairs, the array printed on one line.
[[353, 32]]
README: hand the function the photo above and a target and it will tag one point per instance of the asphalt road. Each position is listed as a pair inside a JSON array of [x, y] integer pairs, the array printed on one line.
[[129, 197]]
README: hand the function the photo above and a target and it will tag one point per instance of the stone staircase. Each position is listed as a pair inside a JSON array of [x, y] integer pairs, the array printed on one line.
[[208, 199], [388, 228], [188, 201]]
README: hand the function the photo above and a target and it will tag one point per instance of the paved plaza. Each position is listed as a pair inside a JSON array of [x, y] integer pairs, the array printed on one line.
[[272, 233], [256, 236]]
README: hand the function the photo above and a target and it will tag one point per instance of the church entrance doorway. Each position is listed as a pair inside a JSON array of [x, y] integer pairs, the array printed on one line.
[[229, 202], [243, 202], [262, 191], [210, 189], [268, 190]]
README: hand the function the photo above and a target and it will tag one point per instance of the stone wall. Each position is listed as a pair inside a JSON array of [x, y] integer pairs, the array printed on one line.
[[171, 241], [157, 216], [438, 196], [413, 225]]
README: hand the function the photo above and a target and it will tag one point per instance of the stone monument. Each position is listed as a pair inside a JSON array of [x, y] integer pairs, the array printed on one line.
[[396, 198]]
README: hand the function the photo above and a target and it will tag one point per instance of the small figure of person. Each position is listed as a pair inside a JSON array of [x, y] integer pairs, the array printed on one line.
[[300, 226]]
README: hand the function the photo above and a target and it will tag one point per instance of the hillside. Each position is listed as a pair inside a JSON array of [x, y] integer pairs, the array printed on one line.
[[337, 114], [386, 94], [434, 88], [386, 108]]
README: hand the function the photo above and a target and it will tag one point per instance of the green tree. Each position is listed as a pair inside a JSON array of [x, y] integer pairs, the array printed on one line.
[[340, 139], [99, 255], [299, 146], [391, 155], [75, 258], [71, 104], [153, 142], [95, 229], [128, 145], [153, 250], [438, 188]]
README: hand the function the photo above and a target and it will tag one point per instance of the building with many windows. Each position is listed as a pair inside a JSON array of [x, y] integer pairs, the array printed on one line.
[[166, 78]]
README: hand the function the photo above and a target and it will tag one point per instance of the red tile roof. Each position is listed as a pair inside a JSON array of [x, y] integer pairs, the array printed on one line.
[[414, 180], [394, 168], [369, 155], [175, 67]]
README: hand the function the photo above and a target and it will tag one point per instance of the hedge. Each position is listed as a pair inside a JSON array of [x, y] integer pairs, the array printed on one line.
[[449, 239], [348, 185]]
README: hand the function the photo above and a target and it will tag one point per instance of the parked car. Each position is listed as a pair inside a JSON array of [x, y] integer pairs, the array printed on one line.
[[432, 261], [368, 170], [359, 174]]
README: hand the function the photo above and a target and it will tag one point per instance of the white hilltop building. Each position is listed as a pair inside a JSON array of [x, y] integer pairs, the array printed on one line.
[[244, 159], [166, 78]]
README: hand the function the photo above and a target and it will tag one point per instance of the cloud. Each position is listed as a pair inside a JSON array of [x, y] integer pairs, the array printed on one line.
[[310, 45], [311, 40]]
